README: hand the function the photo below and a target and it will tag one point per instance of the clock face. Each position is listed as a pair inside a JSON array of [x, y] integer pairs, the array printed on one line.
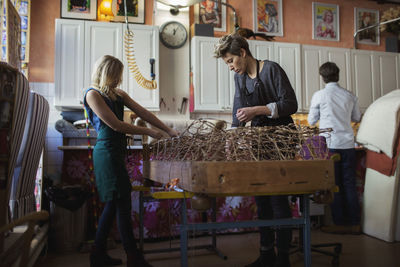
[[173, 34]]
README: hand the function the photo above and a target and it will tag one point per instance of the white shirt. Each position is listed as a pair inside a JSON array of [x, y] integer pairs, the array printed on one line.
[[335, 108]]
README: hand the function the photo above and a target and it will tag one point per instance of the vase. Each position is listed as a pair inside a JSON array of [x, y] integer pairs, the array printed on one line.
[[392, 43]]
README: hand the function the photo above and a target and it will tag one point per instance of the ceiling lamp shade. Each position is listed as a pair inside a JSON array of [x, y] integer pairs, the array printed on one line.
[[105, 11]]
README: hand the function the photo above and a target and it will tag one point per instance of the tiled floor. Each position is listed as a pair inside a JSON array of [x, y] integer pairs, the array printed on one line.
[[358, 251]]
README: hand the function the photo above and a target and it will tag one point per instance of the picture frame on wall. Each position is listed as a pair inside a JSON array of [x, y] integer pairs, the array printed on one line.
[[135, 10], [363, 18], [325, 20], [79, 9], [210, 12], [267, 17]]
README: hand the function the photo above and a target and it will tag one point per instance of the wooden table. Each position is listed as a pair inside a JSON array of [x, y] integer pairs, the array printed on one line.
[[248, 178]]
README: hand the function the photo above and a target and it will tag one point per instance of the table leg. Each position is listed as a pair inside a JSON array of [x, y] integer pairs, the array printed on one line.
[[141, 226], [306, 231], [184, 239]]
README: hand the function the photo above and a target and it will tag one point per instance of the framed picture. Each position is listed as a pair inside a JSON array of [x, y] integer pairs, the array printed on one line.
[[267, 17], [364, 18], [325, 21], [79, 9], [210, 12], [135, 10]]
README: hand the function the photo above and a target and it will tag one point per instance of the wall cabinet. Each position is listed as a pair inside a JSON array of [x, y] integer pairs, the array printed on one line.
[[69, 62], [212, 88], [374, 75], [80, 43], [368, 74]]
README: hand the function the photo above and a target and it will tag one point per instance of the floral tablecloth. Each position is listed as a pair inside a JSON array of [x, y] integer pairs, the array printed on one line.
[[161, 217]]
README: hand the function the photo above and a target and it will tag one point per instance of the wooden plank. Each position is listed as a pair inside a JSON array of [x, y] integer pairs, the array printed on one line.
[[247, 177]]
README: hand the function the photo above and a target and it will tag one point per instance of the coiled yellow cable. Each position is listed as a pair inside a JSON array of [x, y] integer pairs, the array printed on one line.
[[130, 56]]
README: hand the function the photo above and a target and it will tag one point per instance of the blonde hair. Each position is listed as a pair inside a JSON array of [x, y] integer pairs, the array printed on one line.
[[107, 75]]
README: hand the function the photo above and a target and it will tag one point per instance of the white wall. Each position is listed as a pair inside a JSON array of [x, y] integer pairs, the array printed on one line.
[[174, 68]]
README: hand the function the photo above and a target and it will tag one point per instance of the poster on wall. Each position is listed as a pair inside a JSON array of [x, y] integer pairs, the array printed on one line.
[[364, 18], [135, 10], [325, 20], [267, 17], [13, 29], [210, 12], [79, 9]]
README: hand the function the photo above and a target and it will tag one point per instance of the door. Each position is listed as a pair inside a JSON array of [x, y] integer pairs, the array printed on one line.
[[101, 38], [145, 47], [210, 78], [68, 62]]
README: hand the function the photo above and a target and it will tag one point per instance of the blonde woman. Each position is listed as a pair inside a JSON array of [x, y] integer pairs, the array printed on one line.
[[104, 103]]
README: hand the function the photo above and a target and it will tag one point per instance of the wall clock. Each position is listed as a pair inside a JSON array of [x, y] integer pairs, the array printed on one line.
[[173, 34]]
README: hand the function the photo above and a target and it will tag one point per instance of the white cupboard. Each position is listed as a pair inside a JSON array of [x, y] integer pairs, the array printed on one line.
[[288, 56], [80, 43], [368, 74], [69, 62], [364, 78], [210, 76], [145, 42], [313, 58], [101, 38], [387, 67], [375, 74]]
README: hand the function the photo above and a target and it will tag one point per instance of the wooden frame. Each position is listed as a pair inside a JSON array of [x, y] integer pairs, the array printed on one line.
[[135, 8], [363, 18], [325, 19], [75, 9], [246, 177], [267, 17], [217, 13]]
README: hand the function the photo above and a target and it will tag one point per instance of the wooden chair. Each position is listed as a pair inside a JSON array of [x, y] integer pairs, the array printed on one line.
[[17, 246]]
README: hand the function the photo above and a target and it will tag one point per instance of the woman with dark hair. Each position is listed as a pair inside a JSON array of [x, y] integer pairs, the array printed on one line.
[[265, 97]]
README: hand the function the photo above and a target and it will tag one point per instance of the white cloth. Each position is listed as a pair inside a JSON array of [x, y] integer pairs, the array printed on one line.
[[335, 107], [380, 124]]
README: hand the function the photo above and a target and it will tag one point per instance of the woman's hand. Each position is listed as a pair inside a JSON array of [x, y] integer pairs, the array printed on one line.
[[154, 133], [245, 114], [173, 133]]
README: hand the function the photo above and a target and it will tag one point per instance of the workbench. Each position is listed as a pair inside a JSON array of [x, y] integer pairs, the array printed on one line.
[[302, 177]]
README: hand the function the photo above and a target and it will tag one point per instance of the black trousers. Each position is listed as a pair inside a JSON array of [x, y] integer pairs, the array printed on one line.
[[274, 207]]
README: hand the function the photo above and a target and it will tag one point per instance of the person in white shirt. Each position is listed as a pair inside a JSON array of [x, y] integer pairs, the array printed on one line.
[[335, 107]]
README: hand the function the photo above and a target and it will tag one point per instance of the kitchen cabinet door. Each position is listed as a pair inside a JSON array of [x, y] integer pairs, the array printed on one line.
[[386, 69], [210, 76], [145, 46], [288, 56], [68, 63], [313, 57], [364, 78], [101, 38], [341, 57]]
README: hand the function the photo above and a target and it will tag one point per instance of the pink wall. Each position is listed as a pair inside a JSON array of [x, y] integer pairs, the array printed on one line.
[[297, 23]]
